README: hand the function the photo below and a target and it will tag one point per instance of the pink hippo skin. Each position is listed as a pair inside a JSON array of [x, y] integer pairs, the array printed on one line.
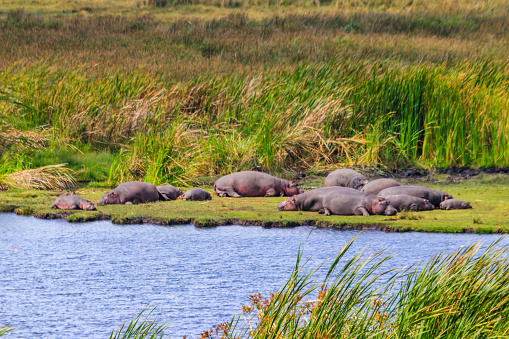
[[347, 202], [309, 201], [254, 184], [132, 192], [73, 202]]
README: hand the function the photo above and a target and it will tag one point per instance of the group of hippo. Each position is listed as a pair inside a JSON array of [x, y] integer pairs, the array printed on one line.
[[346, 192]]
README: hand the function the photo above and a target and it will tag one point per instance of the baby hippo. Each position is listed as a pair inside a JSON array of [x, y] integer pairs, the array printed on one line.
[[169, 192], [403, 202], [346, 202], [454, 204], [197, 194], [73, 202]]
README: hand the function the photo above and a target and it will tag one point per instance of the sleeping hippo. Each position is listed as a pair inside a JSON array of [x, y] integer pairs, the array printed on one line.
[[346, 178], [404, 202], [435, 197], [254, 184], [454, 204], [169, 192], [73, 202], [132, 192], [352, 202], [309, 201], [375, 186], [197, 194]]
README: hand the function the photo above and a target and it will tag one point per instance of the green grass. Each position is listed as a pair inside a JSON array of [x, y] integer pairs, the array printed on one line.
[[489, 213]]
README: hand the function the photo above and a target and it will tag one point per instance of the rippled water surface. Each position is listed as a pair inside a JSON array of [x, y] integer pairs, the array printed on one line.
[[61, 280]]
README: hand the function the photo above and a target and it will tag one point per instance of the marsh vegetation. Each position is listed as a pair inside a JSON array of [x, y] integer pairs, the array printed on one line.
[[136, 90]]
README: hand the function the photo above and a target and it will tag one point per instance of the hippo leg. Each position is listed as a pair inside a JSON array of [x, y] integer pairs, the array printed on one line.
[[128, 203], [231, 193], [271, 192], [321, 211], [361, 211], [221, 194], [326, 211], [54, 206], [136, 201], [73, 207]]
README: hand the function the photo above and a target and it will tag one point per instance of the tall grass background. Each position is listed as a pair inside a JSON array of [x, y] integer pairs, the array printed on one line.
[[165, 99]]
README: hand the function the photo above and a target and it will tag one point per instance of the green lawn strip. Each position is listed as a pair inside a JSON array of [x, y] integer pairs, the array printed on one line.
[[489, 214]]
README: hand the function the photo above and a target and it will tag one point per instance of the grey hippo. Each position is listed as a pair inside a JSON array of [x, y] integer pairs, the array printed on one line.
[[73, 202], [254, 184], [346, 178], [374, 187], [309, 201], [435, 197], [197, 194], [454, 204], [132, 192], [403, 202], [350, 202], [169, 192]]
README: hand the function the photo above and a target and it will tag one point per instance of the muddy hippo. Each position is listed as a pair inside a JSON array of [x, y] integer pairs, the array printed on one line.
[[132, 192], [73, 202], [404, 202], [254, 184], [309, 201], [454, 204], [375, 186], [435, 197], [169, 192], [197, 194], [347, 178], [351, 202]]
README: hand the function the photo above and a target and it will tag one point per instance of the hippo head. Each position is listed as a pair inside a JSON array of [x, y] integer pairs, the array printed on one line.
[[358, 183], [88, 206], [110, 197], [292, 189], [390, 210], [424, 206], [381, 206], [289, 205]]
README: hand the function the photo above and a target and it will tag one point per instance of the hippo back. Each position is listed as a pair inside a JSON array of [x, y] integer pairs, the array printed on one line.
[[346, 178], [375, 186]]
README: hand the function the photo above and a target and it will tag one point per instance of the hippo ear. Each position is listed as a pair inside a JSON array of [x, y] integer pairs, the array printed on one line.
[[293, 200], [380, 200], [291, 183], [113, 194]]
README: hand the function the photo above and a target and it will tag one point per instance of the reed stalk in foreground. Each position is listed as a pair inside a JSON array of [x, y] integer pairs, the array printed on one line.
[[4, 330], [140, 328]]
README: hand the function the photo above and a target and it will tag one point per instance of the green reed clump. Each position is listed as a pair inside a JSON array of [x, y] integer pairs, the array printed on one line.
[[458, 295]]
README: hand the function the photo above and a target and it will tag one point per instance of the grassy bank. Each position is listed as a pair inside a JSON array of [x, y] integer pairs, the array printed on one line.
[[488, 198], [125, 90]]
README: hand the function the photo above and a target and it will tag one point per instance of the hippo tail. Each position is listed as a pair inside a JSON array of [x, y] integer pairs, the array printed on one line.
[[214, 188]]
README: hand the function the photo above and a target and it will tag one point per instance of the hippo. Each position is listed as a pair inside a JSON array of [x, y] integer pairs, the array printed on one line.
[[352, 202], [169, 192], [73, 202], [454, 204], [435, 197], [132, 192], [254, 184], [375, 186], [347, 178], [309, 201], [403, 202], [197, 194]]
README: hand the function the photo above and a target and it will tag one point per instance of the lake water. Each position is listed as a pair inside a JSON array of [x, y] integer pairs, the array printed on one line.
[[61, 280]]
